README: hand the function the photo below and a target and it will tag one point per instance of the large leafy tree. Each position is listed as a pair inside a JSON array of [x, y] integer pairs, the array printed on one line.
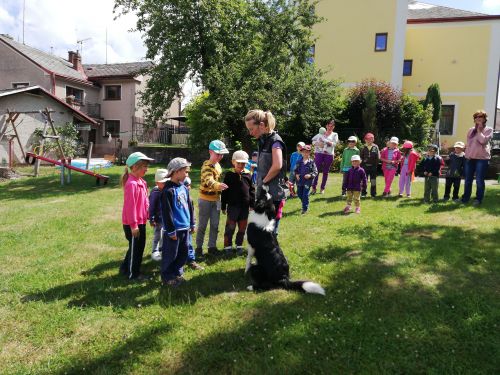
[[244, 53]]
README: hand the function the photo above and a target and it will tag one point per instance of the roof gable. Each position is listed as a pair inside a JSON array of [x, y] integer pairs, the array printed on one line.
[[131, 69], [50, 62], [78, 114], [420, 10]]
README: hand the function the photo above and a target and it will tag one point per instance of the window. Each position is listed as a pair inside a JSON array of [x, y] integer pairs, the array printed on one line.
[[112, 92], [407, 67], [76, 93], [112, 127], [312, 53], [18, 85], [380, 42], [446, 119]]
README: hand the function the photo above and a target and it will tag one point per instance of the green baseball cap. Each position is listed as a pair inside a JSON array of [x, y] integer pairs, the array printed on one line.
[[135, 157], [218, 147]]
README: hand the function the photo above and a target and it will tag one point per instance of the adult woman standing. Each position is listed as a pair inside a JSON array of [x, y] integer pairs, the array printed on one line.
[[261, 125], [477, 155], [324, 148]]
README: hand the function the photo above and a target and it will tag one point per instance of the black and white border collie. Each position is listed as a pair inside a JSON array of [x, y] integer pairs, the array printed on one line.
[[271, 270]]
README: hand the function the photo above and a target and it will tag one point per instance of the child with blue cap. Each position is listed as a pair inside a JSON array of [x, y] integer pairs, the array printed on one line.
[[209, 202]]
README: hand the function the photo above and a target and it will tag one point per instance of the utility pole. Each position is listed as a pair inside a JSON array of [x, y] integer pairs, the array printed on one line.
[[24, 12]]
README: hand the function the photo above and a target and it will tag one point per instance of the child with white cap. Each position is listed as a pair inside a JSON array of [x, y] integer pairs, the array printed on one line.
[[353, 184], [347, 155], [390, 157], [294, 159], [135, 213], [456, 168], [237, 201], [155, 212], [305, 172], [178, 222]]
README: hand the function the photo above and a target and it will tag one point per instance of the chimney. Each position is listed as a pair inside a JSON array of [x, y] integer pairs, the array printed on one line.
[[76, 60], [71, 55]]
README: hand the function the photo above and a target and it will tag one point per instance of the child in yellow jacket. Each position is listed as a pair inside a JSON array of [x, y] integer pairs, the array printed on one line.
[[209, 201]]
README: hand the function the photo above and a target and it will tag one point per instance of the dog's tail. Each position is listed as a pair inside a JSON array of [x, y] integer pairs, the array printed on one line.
[[303, 286]]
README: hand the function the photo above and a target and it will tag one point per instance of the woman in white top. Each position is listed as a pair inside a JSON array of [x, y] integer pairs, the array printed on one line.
[[324, 148]]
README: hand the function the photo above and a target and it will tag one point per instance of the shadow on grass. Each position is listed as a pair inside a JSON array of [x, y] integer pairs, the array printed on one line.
[[123, 356], [50, 185], [118, 292], [379, 315]]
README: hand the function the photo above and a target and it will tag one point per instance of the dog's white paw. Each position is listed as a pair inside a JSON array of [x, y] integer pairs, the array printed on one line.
[[250, 288]]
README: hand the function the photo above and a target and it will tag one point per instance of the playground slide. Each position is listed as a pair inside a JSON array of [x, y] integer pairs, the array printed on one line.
[[65, 165]]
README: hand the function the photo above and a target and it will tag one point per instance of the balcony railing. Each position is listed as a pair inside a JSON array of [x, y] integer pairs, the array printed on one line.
[[92, 109]]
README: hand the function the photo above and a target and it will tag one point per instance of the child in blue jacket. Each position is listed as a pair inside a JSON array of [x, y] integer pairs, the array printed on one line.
[[178, 222]]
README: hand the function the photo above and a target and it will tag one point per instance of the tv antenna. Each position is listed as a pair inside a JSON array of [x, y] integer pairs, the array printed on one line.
[[80, 42]]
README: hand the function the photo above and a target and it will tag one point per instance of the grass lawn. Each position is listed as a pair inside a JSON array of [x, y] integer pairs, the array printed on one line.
[[410, 288]]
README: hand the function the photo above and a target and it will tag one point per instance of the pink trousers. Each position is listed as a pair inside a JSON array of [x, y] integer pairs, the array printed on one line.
[[389, 177]]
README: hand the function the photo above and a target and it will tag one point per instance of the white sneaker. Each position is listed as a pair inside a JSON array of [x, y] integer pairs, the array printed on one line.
[[156, 256]]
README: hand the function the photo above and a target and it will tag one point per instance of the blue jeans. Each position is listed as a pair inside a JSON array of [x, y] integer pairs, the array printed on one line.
[[479, 167], [174, 255], [191, 257], [303, 194]]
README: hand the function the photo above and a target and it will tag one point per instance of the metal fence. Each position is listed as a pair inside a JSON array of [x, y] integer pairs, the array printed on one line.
[[164, 134]]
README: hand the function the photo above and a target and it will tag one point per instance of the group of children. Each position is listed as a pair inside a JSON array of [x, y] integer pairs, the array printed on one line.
[[170, 211], [359, 165]]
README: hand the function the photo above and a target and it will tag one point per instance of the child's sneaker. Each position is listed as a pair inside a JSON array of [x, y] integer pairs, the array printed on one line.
[[240, 250], [228, 250], [347, 209], [322, 191], [358, 210], [313, 191], [156, 256], [195, 266], [198, 252]]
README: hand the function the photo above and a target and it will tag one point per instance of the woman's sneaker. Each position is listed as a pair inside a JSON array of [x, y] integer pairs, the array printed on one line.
[[156, 256]]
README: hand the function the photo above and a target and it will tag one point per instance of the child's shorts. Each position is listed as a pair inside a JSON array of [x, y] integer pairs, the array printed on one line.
[[237, 213]]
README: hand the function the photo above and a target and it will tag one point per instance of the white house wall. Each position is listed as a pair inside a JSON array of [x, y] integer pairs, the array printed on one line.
[[30, 122]]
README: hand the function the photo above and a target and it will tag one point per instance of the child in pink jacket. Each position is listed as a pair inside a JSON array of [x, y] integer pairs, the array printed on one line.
[[390, 157], [408, 164], [135, 213]]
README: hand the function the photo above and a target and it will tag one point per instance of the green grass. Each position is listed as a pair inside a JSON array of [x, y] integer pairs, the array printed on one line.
[[411, 288]]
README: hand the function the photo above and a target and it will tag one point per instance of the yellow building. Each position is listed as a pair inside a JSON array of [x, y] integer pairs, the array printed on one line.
[[411, 45]]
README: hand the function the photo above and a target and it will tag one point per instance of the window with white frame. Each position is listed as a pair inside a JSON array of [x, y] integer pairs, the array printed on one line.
[[446, 119], [112, 127]]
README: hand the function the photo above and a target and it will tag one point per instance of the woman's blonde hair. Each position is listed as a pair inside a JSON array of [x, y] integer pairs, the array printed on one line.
[[258, 116], [125, 174], [480, 113]]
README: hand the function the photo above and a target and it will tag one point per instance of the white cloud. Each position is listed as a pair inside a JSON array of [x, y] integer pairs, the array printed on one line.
[[491, 6], [58, 25]]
